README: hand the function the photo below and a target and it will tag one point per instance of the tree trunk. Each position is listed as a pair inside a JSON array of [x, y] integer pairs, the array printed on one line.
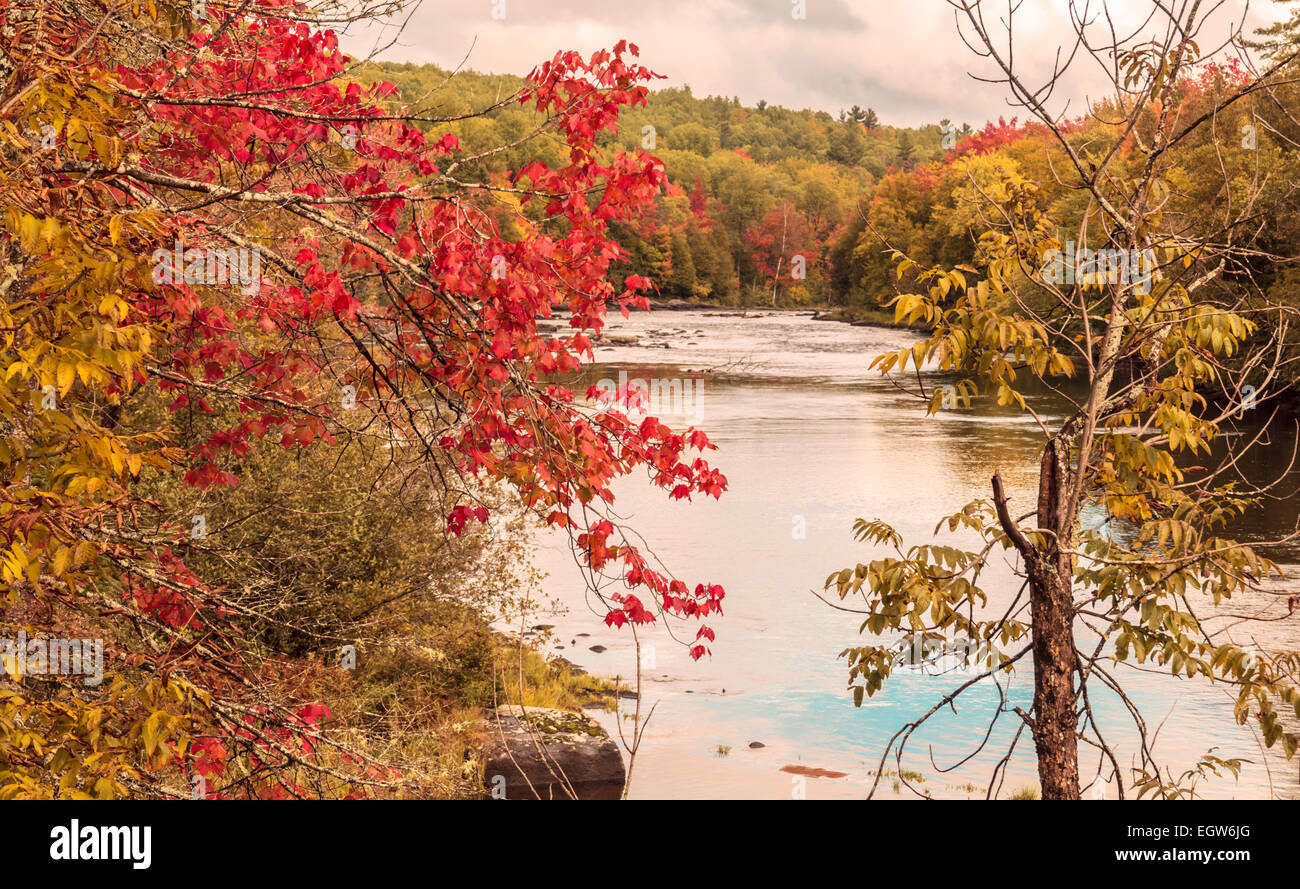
[[1056, 720], [1050, 569], [1051, 581]]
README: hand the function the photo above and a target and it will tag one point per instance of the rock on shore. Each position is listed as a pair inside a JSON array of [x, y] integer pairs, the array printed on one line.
[[541, 753]]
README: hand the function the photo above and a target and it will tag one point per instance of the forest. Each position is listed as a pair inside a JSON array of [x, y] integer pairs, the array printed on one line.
[[295, 354], [771, 206]]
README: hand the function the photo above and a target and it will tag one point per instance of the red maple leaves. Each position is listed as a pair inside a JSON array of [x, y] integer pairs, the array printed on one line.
[[380, 272]]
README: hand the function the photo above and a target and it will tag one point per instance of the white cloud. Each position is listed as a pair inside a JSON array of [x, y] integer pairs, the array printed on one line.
[[904, 59]]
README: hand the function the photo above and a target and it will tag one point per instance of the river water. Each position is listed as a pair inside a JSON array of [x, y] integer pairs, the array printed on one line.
[[810, 439]]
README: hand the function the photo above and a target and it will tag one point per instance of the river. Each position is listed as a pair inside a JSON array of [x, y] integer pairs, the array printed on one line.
[[810, 439]]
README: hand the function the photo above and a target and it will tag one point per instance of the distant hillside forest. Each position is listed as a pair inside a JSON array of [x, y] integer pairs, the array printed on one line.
[[771, 206]]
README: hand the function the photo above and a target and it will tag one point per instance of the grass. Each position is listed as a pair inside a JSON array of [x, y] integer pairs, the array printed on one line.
[[906, 775], [419, 705], [1027, 791], [528, 678]]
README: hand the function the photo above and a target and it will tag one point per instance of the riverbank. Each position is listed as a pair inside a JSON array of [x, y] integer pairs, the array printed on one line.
[[542, 741], [857, 316], [695, 305], [421, 705], [861, 316]]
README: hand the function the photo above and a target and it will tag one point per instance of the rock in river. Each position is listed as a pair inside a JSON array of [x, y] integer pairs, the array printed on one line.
[[540, 753], [812, 772]]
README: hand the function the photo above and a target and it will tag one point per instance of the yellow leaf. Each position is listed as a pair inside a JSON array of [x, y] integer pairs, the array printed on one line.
[[50, 232], [85, 553], [30, 233], [150, 732], [61, 559]]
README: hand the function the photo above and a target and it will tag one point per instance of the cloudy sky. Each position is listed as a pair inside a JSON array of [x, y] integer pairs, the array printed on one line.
[[904, 58]]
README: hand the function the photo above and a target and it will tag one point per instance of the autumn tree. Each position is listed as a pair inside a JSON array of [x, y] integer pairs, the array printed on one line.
[[205, 203], [783, 249], [1138, 303], [1278, 40]]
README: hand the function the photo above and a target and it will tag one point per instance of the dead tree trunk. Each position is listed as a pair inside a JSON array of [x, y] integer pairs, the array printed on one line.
[[1051, 602], [1050, 570]]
